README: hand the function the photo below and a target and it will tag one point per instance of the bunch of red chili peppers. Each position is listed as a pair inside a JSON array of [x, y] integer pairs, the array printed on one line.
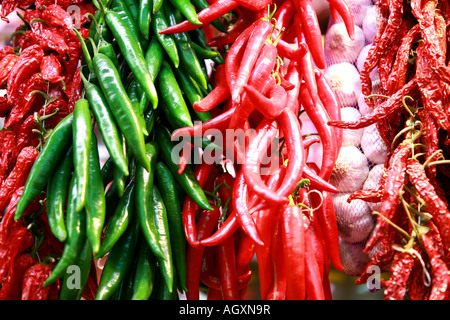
[[39, 74], [283, 216], [412, 236]]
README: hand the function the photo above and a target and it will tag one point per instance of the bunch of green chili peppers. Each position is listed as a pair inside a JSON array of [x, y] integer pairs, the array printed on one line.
[[138, 86]]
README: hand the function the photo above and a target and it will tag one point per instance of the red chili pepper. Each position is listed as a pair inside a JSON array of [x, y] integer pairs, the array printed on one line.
[[219, 94], [329, 100], [320, 118], [435, 205], [194, 255], [28, 63], [226, 262], [343, 10], [240, 194], [261, 31], [270, 106], [293, 237], [28, 100], [265, 133], [18, 175], [12, 286], [6, 65], [395, 178], [33, 280], [245, 253], [314, 287], [290, 127], [214, 11], [310, 25], [53, 39], [400, 272], [221, 40], [212, 281], [7, 141], [55, 16], [277, 290], [327, 219], [51, 69], [202, 173], [224, 184]]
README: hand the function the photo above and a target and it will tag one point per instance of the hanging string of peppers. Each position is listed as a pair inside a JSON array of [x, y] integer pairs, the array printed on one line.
[[411, 237]]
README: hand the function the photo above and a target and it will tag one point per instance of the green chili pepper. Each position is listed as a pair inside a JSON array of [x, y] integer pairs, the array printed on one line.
[[173, 97], [133, 54], [84, 49], [154, 57], [187, 180], [125, 289], [119, 178], [187, 9], [56, 196], [157, 4], [47, 161], [144, 197], [145, 10], [119, 262], [107, 171], [76, 236], [167, 185], [192, 92], [122, 111], [124, 13], [107, 49], [82, 134], [106, 124], [167, 41], [112, 199], [133, 94], [144, 276], [73, 284], [162, 227], [198, 38], [120, 220], [188, 57], [95, 199], [149, 117], [133, 7], [161, 292], [203, 53]]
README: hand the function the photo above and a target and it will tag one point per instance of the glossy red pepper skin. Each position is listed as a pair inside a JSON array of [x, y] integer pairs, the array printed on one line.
[[293, 238], [219, 94], [205, 225], [188, 216], [12, 286], [226, 261]]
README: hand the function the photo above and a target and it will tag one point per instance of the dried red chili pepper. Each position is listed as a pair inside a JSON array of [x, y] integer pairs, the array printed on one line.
[[435, 205], [55, 16], [395, 178], [28, 63], [400, 272], [12, 286], [7, 141], [6, 65], [33, 280], [18, 175], [51, 69]]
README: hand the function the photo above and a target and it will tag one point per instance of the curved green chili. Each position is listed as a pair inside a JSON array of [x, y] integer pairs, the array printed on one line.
[[167, 185], [123, 11], [76, 236], [72, 286], [133, 7], [106, 124], [162, 227], [133, 94], [120, 220], [173, 97], [82, 135], [123, 112], [154, 57], [119, 262], [187, 180], [133, 54], [144, 276], [48, 159], [56, 197], [145, 10], [107, 49], [192, 92], [187, 9], [188, 57], [167, 41], [95, 199], [144, 199]]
